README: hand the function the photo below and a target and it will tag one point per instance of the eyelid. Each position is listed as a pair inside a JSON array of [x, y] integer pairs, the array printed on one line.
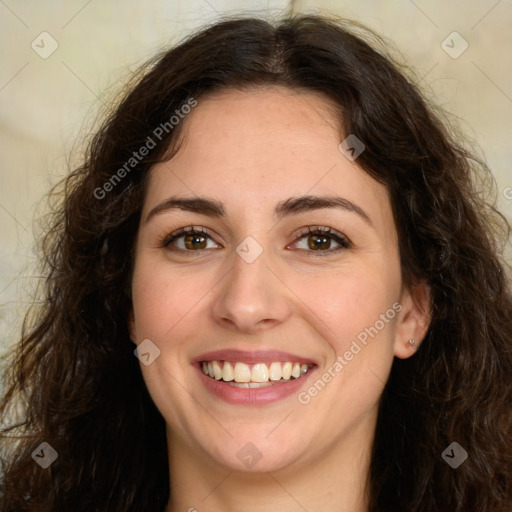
[[185, 230], [341, 239], [313, 230]]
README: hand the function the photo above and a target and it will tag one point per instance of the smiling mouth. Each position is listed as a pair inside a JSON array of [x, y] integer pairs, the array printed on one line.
[[259, 375]]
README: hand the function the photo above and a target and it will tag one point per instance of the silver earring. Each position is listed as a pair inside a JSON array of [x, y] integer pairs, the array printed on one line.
[[412, 342]]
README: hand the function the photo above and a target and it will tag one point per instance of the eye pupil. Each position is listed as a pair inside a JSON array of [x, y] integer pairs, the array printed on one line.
[[318, 242], [192, 241]]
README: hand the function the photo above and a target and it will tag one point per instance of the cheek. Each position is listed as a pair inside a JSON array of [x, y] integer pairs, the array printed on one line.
[[162, 296], [161, 301], [353, 301], [360, 308]]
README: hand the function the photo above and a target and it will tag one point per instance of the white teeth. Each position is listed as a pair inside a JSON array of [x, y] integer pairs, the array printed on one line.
[[242, 372], [217, 372], [287, 371], [260, 375], [275, 371], [227, 372]]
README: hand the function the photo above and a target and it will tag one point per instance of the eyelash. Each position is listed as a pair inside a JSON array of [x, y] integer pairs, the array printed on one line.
[[342, 240]]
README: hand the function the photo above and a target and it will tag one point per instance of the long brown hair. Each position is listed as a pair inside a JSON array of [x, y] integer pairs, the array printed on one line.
[[74, 368]]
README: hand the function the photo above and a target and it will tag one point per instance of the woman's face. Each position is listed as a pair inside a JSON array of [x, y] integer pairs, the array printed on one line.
[[259, 288]]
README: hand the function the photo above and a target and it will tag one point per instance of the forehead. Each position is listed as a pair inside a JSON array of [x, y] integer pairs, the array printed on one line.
[[254, 148], [265, 128]]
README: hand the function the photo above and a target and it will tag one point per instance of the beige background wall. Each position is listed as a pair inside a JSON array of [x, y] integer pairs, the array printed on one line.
[[47, 102]]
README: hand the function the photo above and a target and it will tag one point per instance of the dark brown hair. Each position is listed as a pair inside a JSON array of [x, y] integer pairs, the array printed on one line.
[[74, 367]]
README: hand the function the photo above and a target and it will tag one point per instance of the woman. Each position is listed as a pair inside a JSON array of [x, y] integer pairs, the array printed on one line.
[[339, 341]]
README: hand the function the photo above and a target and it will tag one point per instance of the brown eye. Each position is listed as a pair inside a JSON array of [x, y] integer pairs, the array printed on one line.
[[195, 241], [320, 240], [187, 239]]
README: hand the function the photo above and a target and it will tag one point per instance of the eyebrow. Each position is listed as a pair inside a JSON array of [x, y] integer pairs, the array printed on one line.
[[291, 206]]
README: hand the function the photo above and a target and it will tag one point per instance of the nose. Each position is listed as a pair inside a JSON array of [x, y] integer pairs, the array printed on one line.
[[252, 297]]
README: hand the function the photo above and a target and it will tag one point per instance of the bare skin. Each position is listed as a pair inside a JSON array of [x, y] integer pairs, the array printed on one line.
[[251, 150]]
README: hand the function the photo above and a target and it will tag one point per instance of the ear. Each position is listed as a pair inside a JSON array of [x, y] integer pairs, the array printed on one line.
[[131, 326], [413, 321]]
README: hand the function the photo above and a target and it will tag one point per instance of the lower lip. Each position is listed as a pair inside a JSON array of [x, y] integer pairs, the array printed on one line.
[[253, 396]]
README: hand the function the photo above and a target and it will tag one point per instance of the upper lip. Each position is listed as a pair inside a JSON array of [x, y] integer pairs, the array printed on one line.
[[253, 356]]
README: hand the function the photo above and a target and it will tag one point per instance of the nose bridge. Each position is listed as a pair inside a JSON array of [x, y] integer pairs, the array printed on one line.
[[251, 295]]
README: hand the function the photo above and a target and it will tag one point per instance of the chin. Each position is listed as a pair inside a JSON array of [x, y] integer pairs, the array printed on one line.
[[251, 459]]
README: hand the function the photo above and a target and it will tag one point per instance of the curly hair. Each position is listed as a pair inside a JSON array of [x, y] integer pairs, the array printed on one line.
[[74, 370]]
